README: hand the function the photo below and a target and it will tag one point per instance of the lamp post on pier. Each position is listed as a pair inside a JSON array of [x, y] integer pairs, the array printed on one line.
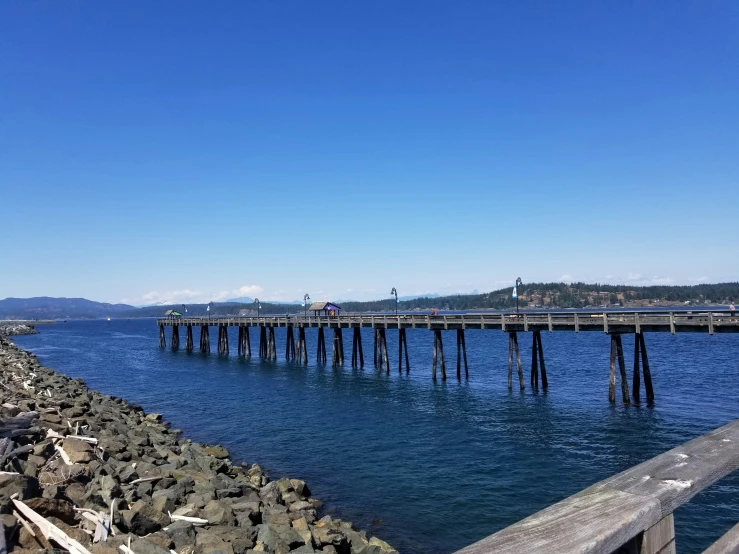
[[395, 292], [515, 290], [256, 301], [305, 305], [185, 310], [208, 309]]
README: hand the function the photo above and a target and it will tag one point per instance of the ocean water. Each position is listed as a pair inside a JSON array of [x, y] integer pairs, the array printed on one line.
[[427, 466]]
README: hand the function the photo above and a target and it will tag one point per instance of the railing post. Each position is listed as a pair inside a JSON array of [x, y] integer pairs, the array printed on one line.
[[658, 539]]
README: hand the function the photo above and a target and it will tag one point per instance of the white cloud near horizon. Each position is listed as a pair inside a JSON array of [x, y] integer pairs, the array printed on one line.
[[193, 296]]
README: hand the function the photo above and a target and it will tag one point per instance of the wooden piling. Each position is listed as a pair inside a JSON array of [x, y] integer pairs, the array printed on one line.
[[243, 341], [513, 347], [645, 369], [302, 346], [617, 353], [262, 342], [622, 370], [376, 333], [162, 339], [403, 347], [357, 354], [223, 340], [534, 363], [189, 346], [436, 350], [204, 339], [439, 353], [640, 354], [540, 348], [337, 353], [635, 383], [175, 337], [271, 345], [461, 352], [321, 353], [289, 344], [382, 344]]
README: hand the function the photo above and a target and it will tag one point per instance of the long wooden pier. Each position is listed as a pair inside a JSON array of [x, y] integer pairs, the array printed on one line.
[[630, 512], [612, 323]]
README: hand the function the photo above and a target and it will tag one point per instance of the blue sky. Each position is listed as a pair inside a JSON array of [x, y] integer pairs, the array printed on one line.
[[191, 151]]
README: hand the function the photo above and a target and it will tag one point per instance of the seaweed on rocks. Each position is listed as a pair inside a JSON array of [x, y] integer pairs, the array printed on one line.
[[91, 473]]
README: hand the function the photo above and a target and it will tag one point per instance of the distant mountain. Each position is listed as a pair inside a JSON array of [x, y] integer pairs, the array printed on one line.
[[241, 300], [44, 307]]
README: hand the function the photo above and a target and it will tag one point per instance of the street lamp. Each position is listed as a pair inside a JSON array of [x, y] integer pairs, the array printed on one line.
[[515, 291], [184, 308], [208, 309], [395, 292], [256, 301], [305, 305]]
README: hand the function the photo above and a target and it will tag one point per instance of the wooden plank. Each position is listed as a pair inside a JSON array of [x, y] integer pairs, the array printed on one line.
[[596, 522]]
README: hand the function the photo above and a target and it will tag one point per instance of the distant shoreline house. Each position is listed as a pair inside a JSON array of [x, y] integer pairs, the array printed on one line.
[[329, 309], [172, 314]]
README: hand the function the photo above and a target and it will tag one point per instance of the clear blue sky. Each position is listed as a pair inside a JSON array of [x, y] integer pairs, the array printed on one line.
[[191, 150]]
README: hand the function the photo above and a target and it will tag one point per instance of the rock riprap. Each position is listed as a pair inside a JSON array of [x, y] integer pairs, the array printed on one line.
[[90, 473], [9, 329]]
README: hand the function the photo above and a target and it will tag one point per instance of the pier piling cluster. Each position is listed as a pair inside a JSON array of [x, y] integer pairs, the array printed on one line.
[[613, 324]]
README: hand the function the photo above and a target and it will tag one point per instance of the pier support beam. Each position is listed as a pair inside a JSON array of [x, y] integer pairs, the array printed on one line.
[[223, 340], [302, 346], [461, 351], [381, 349], [337, 353], [204, 339], [321, 351], [537, 353], [513, 346], [175, 337], [357, 353], [189, 344], [162, 339], [617, 352], [438, 353], [290, 344], [403, 345], [271, 345], [262, 342], [244, 342], [640, 350]]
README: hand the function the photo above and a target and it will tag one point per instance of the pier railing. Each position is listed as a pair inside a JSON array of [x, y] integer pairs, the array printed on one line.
[[710, 321], [631, 511]]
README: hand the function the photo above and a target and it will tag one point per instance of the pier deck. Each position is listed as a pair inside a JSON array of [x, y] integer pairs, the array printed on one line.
[[648, 321]]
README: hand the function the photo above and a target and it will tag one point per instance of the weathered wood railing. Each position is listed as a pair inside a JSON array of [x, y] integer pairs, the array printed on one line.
[[707, 321], [630, 512]]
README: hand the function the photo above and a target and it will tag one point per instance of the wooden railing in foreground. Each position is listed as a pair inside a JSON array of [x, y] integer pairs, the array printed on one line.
[[630, 512]]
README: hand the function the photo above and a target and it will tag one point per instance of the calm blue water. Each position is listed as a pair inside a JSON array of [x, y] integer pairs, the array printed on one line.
[[428, 467]]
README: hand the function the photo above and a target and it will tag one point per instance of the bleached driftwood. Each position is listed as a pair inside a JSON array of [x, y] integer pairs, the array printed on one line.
[[102, 522], [24, 523], [51, 531], [189, 519], [51, 434], [64, 455], [144, 480]]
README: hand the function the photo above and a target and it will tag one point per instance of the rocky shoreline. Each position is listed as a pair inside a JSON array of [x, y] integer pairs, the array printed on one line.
[[91, 473], [10, 329]]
